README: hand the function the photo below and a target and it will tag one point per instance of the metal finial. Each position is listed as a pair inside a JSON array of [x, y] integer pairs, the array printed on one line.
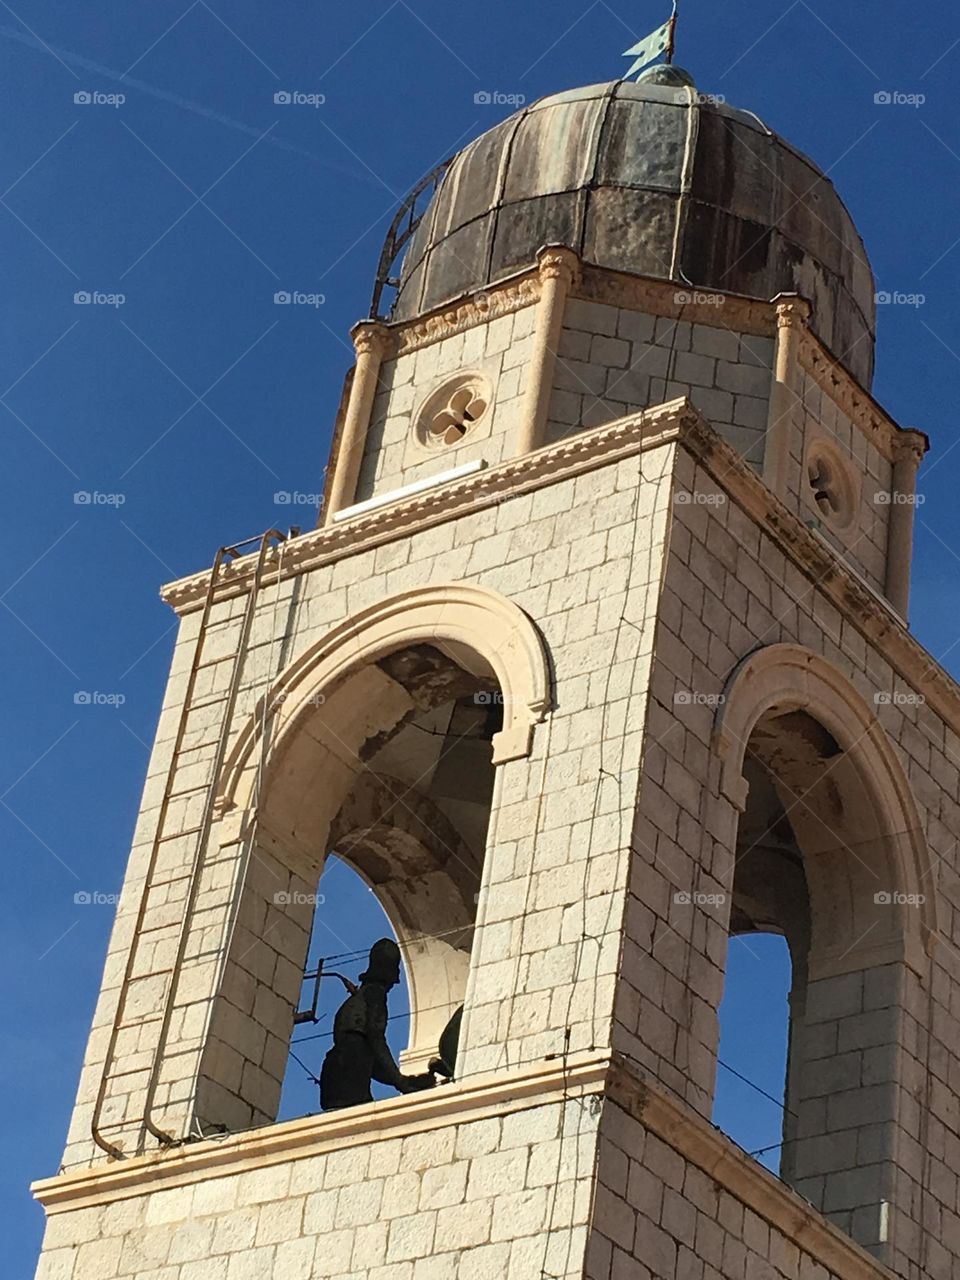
[[662, 41]]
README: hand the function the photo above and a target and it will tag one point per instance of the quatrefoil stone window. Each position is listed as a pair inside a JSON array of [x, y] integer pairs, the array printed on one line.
[[452, 411], [831, 486]]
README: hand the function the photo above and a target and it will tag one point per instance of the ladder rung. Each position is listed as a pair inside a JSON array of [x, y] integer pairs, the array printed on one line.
[[215, 662], [193, 831]]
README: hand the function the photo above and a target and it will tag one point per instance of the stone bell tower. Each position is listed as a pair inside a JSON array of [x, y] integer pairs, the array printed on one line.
[[598, 655]]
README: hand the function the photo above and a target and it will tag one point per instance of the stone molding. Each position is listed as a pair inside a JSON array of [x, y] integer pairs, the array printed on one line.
[[868, 613], [711, 1151], [791, 675], [495, 1094], [486, 622], [854, 402], [582, 452], [487, 304], [675, 301]]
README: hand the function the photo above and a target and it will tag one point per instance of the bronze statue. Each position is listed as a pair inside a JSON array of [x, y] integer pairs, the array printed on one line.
[[360, 1051]]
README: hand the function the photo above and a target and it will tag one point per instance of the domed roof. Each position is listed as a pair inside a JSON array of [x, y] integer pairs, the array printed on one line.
[[655, 180]]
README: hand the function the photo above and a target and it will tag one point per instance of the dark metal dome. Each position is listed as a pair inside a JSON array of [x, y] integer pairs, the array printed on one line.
[[657, 181]]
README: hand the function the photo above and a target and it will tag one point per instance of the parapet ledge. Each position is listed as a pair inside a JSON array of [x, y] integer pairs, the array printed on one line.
[[490, 1094], [578, 453], [560, 1079]]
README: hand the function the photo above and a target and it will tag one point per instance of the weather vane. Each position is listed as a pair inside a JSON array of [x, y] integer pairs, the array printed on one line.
[[658, 42]]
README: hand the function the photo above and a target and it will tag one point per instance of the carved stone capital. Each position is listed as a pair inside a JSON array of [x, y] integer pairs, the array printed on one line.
[[910, 446], [557, 262], [371, 339], [793, 312]]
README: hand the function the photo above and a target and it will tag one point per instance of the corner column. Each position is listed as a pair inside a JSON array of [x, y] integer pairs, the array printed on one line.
[[558, 268], [908, 454], [793, 313], [371, 342]]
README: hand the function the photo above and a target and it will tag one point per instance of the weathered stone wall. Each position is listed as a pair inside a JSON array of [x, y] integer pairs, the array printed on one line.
[[505, 1195], [659, 1214], [499, 349], [582, 557], [877, 1101], [864, 544], [614, 361]]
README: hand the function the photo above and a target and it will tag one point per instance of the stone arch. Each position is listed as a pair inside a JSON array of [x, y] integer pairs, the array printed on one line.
[[331, 759], [787, 679], [830, 852], [468, 621]]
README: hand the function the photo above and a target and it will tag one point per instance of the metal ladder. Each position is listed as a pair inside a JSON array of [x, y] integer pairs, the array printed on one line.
[[225, 557]]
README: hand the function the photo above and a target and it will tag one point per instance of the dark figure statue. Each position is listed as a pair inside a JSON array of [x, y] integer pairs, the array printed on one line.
[[446, 1064], [360, 1051]]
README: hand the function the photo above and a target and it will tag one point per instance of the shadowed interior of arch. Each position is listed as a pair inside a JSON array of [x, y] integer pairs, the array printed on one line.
[[766, 975], [815, 865], [391, 770]]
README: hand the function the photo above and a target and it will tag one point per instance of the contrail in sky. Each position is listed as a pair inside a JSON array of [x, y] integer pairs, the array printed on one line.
[[74, 59]]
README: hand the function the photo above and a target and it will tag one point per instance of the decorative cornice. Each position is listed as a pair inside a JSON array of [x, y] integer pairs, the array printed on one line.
[[579, 452], [534, 1084], [851, 398], [674, 301], [478, 308], [864, 609]]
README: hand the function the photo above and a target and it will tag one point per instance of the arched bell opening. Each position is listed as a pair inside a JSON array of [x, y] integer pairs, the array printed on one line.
[[765, 986], [830, 853], [391, 769]]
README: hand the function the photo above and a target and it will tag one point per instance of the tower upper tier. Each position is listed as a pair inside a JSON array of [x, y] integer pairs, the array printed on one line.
[[655, 180]]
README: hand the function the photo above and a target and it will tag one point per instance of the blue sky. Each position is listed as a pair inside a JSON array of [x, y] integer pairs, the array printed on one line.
[[197, 399]]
